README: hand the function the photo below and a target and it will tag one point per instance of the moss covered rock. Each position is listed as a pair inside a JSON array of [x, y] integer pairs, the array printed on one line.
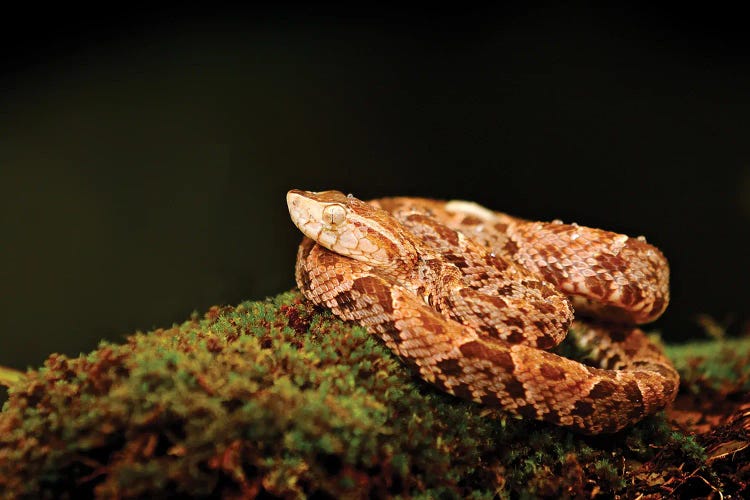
[[277, 399]]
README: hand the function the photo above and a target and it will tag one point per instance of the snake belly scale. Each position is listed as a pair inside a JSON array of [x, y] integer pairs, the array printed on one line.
[[473, 299]]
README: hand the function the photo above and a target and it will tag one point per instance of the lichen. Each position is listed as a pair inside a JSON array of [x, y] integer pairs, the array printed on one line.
[[276, 398]]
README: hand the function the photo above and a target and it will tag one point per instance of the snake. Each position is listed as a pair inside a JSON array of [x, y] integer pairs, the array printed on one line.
[[474, 300]]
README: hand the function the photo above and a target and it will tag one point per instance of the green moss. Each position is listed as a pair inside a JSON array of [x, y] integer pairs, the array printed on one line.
[[722, 365], [276, 398]]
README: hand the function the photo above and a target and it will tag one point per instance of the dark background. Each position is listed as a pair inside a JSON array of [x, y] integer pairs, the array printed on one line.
[[144, 155]]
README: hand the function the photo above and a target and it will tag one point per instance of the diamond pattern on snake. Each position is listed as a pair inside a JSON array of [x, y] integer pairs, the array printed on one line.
[[473, 299]]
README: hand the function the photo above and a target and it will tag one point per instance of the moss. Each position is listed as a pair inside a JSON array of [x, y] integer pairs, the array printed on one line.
[[721, 365], [275, 398]]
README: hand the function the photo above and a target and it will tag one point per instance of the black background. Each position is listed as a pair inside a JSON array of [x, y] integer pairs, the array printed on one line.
[[145, 154]]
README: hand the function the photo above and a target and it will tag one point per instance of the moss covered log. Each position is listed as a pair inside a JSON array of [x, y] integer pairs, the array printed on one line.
[[280, 400]]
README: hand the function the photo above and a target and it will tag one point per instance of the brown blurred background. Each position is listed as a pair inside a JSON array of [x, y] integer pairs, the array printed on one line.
[[144, 156]]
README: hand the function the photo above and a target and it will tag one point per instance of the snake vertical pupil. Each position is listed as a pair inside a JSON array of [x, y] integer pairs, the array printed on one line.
[[334, 214]]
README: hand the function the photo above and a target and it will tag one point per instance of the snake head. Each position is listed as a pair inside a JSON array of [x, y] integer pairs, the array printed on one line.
[[352, 228]]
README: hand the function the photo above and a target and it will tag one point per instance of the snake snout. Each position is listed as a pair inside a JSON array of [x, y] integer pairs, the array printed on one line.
[[297, 211], [293, 198], [306, 213]]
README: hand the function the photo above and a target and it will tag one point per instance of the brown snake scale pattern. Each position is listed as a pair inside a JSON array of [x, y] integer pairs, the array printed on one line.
[[473, 299]]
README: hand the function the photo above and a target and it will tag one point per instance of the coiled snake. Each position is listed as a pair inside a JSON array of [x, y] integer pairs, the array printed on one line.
[[473, 298]]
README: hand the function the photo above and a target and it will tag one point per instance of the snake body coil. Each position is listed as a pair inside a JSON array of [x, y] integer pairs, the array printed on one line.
[[473, 299]]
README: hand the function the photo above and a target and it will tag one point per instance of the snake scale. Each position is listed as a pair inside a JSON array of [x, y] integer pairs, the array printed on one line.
[[473, 299]]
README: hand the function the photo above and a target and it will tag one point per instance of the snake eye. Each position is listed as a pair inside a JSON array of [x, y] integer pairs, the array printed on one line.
[[334, 214]]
